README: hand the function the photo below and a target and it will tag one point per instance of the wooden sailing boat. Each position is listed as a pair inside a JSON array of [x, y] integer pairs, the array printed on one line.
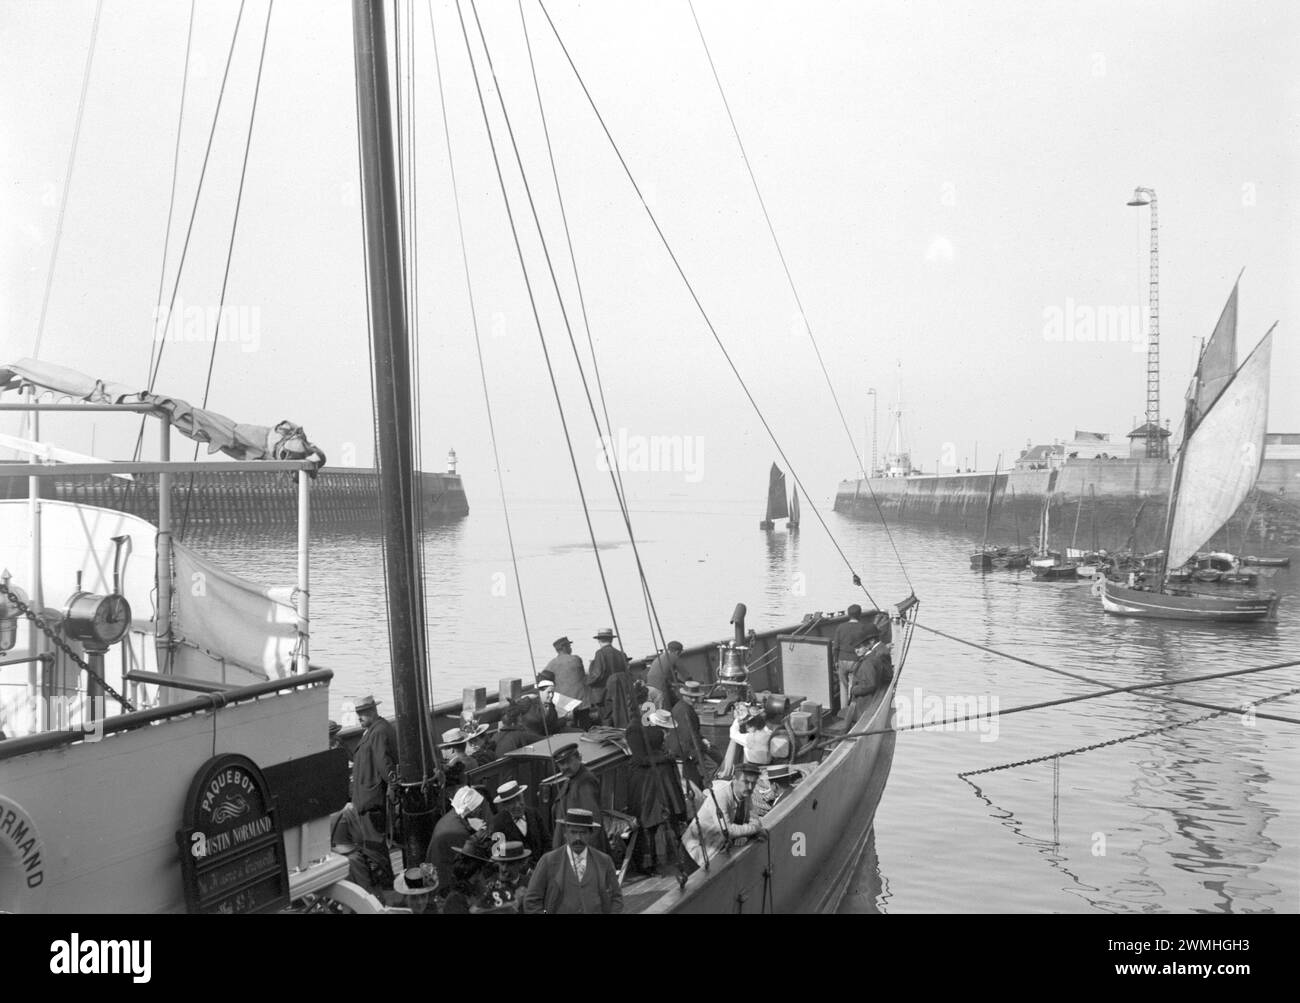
[[1048, 566], [984, 560], [1217, 466], [794, 508], [776, 503]]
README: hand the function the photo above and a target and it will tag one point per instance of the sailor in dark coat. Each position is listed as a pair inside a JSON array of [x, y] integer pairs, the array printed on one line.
[[684, 742], [575, 878], [517, 823], [607, 660], [375, 760], [662, 676], [569, 675], [578, 789]]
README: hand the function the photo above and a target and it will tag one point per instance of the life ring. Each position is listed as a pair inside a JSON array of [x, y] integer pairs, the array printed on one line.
[[22, 860]]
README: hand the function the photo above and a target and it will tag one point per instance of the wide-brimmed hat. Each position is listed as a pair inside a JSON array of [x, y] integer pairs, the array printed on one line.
[[559, 642], [662, 719], [691, 688], [416, 881], [365, 703], [508, 791], [473, 849], [604, 634], [343, 849], [565, 751], [579, 818], [335, 728], [509, 851], [783, 774], [454, 736]]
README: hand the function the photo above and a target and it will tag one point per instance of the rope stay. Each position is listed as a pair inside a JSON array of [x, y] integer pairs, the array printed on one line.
[[537, 319], [160, 333], [230, 250], [478, 348], [616, 476], [67, 181], [857, 580], [797, 299]]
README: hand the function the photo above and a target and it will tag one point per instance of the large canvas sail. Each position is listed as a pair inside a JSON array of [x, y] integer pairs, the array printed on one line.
[[777, 507], [1219, 360], [794, 506], [1221, 460]]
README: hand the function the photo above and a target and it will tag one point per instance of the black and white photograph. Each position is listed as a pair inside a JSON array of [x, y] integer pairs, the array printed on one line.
[[491, 457]]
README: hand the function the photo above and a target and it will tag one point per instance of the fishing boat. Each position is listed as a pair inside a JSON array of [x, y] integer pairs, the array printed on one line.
[[793, 522], [984, 560], [777, 507], [1048, 565], [1217, 466]]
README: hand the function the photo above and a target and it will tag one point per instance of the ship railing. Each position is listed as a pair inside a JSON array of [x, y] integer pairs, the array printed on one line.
[[164, 468]]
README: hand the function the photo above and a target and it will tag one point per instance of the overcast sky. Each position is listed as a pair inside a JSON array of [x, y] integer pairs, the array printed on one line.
[[948, 182]]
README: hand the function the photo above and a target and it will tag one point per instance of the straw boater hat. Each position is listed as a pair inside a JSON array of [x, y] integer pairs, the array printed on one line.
[[454, 736], [783, 774], [691, 688], [416, 881], [509, 852], [662, 719], [604, 634], [508, 791], [579, 818], [365, 703]]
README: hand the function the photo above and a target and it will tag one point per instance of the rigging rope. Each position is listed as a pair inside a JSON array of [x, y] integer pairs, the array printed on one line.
[[795, 292], [189, 229], [67, 180], [230, 250], [616, 476], [1110, 691], [532, 300], [171, 199], [857, 580], [1129, 738], [478, 348]]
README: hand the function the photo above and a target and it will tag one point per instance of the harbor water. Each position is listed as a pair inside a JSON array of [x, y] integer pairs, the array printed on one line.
[[1185, 810]]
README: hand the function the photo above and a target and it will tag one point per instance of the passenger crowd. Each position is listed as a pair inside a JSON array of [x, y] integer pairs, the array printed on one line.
[[492, 852]]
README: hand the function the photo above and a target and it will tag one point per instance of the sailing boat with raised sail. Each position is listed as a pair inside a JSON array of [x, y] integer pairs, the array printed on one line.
[[1048, 565], [776, 503], [1217, 466], [794, 509], [984, 560]]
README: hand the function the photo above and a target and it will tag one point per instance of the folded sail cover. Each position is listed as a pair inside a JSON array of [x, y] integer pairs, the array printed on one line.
[[286, 441]]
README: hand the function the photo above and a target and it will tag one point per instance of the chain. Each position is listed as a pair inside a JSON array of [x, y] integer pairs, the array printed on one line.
[[62, 645], [1129, 738]]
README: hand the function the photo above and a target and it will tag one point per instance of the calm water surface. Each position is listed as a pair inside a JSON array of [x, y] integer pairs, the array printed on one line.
[[1200, 817]]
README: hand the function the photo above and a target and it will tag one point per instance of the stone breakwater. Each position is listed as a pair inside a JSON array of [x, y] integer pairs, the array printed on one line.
[[1123, 498]]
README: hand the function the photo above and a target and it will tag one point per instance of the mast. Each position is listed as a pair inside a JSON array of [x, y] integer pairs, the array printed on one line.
[[1092, 490], [395, 453], [988, 512]]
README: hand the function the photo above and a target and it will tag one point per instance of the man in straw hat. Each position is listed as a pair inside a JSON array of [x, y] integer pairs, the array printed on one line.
[[724, 817], [516, 822], [455, 744], [607, 662], [575, 878], [775, 786]]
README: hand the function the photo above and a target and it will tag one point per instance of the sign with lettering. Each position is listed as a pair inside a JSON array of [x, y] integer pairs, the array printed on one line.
[[232, 845], [22, 859]]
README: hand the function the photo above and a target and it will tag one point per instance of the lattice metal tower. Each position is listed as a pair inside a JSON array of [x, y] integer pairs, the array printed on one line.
[[1156, 443]]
